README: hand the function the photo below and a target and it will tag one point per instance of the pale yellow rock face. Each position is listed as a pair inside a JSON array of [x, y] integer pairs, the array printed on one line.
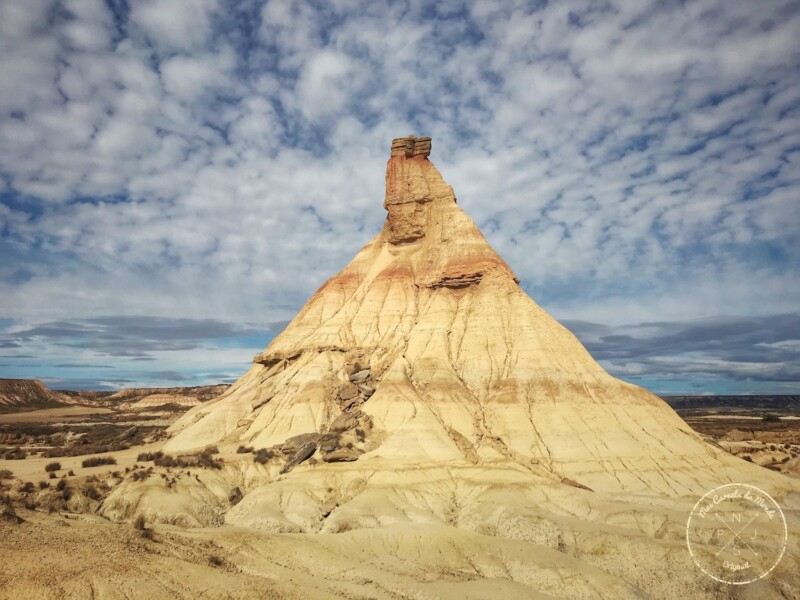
[[467, 368]]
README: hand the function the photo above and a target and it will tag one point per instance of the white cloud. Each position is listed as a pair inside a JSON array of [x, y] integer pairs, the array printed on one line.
[[174, 24], [188, 77], [630, 161], [325, 84]]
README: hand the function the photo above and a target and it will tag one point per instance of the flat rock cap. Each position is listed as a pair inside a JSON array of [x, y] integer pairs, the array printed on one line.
[[411, 146]]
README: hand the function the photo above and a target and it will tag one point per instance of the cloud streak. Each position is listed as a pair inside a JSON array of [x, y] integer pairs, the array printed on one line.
[[746, 351]]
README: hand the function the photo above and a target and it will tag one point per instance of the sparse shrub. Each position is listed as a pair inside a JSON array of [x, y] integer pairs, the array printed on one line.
[[244, 449], [169, 461], [53, 466], [27, 487], [66, 494], [16, 454], [140, 526], [360, 435], [211, 450], [96, 461], [206, 461], [43, 485], [141, 475], [263, 455], [7, 513], [771, 418], [52, 475], [785, 459], [72, 473], [149, 456], [61, 485], [91, 492], [203, 460], [748, 458], [6, 474], [215, 561]]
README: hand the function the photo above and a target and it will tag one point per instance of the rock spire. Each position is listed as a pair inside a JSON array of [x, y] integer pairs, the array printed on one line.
[[426, 346]]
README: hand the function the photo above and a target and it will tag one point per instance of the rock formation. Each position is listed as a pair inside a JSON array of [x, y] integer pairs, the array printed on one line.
[[427, 345], [421, 402]]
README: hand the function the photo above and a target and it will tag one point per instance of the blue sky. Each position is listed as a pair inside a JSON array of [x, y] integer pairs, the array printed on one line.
[[177, 177]]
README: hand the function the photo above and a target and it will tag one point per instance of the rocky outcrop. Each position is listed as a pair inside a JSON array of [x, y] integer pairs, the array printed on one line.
[[457, 281], [235, 496], [411, 146], [342, 455], [304, 452], [425, 350]]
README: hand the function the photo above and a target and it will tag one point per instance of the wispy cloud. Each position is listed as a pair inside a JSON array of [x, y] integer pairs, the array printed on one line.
[[633, 161]]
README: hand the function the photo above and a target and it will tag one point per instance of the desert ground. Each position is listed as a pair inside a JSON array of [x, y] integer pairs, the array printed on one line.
[[57, 548]]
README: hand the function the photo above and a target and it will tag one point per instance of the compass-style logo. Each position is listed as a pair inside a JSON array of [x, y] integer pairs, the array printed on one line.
[[736, 533]]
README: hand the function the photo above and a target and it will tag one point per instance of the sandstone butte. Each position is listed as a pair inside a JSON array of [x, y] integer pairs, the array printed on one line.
[[421, 386]]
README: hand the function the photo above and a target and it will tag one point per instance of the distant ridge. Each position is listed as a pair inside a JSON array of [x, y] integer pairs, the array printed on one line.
[[17, 395]]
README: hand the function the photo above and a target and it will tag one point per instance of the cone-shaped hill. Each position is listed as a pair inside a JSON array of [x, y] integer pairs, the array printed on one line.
[[424, 349]]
